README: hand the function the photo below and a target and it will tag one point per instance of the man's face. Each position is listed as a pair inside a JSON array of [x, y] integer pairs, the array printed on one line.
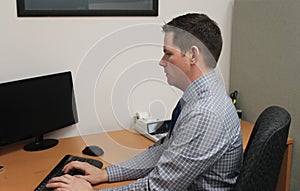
[[176, 65]]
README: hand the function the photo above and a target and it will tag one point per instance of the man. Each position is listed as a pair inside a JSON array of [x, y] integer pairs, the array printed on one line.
[[203, 150]]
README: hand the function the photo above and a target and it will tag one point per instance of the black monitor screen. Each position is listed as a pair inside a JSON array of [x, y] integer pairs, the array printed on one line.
[[32, 107]]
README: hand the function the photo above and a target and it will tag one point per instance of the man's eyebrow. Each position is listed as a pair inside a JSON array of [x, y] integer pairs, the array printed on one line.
[[166, 49]]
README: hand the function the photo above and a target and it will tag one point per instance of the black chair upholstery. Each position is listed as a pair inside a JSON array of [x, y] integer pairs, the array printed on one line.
[[265, 150]]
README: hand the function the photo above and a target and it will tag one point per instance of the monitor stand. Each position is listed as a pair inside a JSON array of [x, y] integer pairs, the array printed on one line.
[[40, 144]]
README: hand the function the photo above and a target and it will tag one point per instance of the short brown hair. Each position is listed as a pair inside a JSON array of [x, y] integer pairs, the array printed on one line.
[[199, 26]]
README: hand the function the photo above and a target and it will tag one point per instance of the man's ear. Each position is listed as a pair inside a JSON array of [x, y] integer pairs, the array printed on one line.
[[195, 54]]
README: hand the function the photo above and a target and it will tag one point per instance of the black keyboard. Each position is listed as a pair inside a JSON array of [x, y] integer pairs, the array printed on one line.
[[57, 170]]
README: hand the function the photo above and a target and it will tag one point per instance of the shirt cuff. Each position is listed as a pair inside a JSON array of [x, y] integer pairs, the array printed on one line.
[[114, 173]]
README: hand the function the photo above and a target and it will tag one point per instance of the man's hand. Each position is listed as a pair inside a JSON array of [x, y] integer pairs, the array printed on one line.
[[69, 183], [93, 174]]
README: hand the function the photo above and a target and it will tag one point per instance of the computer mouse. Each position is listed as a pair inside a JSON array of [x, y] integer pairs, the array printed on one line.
[[93, 150]]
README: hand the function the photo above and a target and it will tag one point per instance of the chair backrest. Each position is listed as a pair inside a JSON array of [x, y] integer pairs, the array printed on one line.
[[265, 150]]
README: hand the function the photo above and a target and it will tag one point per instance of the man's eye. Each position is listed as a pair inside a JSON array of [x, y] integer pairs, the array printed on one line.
[[168, 54]]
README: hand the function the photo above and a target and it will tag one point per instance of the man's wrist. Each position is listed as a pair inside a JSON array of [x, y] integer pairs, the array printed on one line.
[[104, 175]]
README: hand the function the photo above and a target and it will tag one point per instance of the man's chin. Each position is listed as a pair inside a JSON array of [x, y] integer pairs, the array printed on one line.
[[170, 82]]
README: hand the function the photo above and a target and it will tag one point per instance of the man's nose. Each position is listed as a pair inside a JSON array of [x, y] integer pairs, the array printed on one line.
[[163, 62]]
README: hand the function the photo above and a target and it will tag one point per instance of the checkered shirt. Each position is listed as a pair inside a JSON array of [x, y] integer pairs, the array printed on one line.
[[204, 151]]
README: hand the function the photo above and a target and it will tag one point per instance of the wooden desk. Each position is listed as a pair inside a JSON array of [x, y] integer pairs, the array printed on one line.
[[25, 170]]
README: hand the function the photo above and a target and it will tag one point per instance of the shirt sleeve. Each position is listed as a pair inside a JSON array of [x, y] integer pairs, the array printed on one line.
[[196, 143], [139, 166]]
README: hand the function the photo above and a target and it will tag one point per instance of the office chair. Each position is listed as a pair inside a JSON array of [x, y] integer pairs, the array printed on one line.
[[265, 150]]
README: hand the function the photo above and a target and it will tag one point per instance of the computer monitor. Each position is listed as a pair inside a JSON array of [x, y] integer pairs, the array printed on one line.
[[31, 107]]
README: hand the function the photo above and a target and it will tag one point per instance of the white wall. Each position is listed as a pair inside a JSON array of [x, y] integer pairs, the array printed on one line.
[[114, 60]]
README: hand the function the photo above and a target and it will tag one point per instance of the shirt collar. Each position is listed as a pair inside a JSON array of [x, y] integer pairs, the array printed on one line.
[[199, 87]]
